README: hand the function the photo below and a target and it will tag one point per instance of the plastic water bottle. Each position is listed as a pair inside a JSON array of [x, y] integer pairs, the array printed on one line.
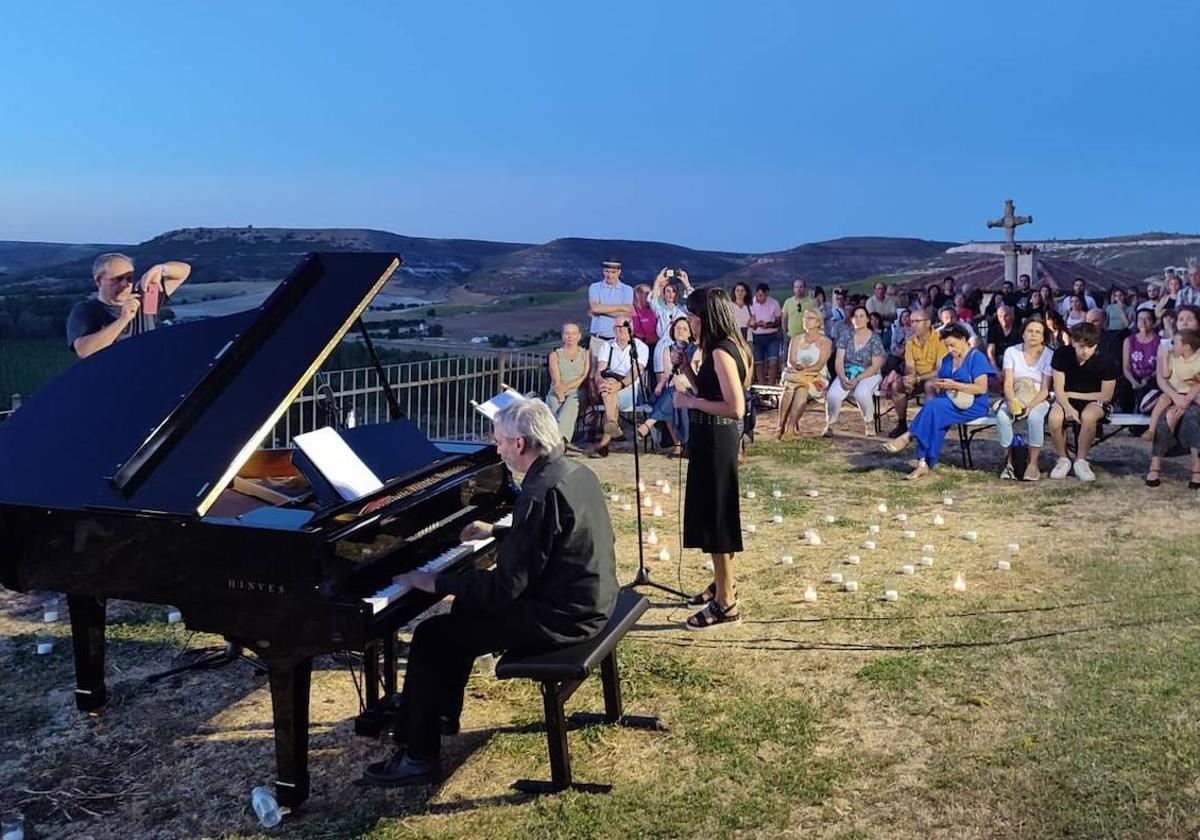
[[265, 807]]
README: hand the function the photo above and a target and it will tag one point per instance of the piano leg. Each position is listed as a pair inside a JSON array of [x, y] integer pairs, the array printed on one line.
[[87, 639], [290, 680]]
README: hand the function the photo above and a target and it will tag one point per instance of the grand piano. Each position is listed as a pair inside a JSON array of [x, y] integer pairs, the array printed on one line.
[[117, 482]]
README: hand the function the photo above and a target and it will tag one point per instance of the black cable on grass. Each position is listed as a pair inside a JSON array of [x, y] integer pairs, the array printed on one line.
[[783, 645]]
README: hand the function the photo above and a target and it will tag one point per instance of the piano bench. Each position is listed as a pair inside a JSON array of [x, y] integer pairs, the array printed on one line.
[[560, 672]]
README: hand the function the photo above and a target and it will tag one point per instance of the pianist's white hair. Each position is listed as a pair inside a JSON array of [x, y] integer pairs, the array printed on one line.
[[100, 265], [532, 420]]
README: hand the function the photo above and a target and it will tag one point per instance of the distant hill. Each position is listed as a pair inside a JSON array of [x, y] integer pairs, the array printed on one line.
[[1139, 254], [493, 268], [21, 256]]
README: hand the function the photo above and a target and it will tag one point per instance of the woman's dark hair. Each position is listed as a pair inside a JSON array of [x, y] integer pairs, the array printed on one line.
[[854, 311], [819, 290], [955, 330], [875, 318], [711, 305], [681, 319], [744, 286], [1085, 334], [1034, 319]]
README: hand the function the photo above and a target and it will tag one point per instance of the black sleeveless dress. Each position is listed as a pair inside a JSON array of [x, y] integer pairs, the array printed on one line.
[[712, 519]]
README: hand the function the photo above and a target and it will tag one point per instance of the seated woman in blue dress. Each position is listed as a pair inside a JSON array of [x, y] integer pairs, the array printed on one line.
[[678, 334], [957, 395]]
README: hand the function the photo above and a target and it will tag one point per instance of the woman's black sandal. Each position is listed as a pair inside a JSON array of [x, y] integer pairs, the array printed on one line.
[[1152, 482], [713, 616], [702, 598]]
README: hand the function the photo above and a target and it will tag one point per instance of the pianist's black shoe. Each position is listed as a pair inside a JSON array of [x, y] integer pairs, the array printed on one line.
[[401, 770]]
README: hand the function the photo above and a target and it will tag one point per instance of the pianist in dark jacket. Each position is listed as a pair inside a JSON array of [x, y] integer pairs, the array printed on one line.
[[554, 584]]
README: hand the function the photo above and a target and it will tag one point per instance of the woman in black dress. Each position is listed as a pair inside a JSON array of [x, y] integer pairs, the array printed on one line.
[[712, 520]]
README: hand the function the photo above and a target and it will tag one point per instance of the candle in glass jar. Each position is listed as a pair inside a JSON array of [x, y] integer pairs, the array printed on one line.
[[616, 497], [971, 536], [891, 595], [174, 616], [658, 511], [835, 577], [853, 560], [869, 545], [751, 527], [1003, 565], [926, 560], [873, 528], [44, 646], [777, 517], [907, 569], [785, 560], [939, 520], [666, 488], [626, 506], [901, 517], [960, 582], [664, 555], [810, 593], [909, 535], [648, 503], [829, 519], [658, 482], [777, 493], [750, 494], [813, 537], [927, 548], [1014, 547], [652, 537], [708, 565], [882, 507], [850, 585], [813, 492], [50, 612]]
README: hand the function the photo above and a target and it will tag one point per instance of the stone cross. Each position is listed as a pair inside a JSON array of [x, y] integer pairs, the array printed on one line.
[[1009, 222]]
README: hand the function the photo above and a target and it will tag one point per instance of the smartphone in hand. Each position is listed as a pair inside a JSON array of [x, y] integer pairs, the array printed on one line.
[[150, 300]]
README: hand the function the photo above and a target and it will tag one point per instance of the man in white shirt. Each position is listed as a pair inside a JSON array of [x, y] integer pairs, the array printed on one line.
[[1189, 295], [1077, 288], [882, 305], [609, 299], [617, 381]]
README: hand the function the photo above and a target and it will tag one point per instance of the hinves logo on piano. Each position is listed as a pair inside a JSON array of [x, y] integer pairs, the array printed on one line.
[[257, 586]]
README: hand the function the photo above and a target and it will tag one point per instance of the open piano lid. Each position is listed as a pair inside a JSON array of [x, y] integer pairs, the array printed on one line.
[[161, 423]]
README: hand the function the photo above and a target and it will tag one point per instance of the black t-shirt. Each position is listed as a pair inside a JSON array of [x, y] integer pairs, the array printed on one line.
[[996, 336], [90, 315], [1084, 378]]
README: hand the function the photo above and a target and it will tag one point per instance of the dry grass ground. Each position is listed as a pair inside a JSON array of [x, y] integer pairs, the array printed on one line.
[[1056, 700]]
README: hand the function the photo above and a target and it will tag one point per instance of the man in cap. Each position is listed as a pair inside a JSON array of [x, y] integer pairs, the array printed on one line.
[[609, 299], [118, 309]]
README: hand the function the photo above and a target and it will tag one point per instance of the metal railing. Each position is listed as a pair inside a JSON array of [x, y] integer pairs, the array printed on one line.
[[434, 394]]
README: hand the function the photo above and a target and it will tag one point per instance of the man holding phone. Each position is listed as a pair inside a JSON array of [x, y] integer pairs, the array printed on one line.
[[121, 307]]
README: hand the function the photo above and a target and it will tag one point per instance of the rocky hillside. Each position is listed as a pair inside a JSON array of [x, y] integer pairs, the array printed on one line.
[[494, 268]]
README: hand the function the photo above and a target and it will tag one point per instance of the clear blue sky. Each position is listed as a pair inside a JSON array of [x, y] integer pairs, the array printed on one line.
[[745, 126]]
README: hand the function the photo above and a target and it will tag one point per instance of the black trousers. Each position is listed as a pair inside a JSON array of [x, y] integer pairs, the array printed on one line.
[[440, 658]]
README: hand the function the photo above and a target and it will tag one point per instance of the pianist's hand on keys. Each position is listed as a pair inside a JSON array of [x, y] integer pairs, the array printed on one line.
[[467, 548]]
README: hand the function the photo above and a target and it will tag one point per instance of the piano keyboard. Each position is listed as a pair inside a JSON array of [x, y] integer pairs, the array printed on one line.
[[384, 597]]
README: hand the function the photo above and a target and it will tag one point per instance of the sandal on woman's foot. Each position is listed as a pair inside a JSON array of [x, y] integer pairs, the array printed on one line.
[[677, 450], [644, 429], [713, 616], [1152, 479], [1194, 484], [921, 471], [897, 444]]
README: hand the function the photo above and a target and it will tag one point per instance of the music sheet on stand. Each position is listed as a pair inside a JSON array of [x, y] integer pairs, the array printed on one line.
[[338, 463]]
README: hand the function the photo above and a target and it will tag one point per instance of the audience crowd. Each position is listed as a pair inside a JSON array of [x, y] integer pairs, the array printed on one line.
[[1034, 360]]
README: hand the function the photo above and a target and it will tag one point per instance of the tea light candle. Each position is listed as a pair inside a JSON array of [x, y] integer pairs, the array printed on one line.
[[658, 482], [627, 507], [835, 577], [869, 545], [901, 517], [960, 582], [926, 560], [948, 501], [971, 536], [664, 555], [50, 613], [1003, 565], [909, 535], [174, 616], [666, 488], [786, 560], [813, 537], [750, 494], [777, 493], [652, 537], [873, 528], [927, 548], [907, 569], [751, 528], [853, 560], [615, 497], [44, 646], [891, 595], [810, 593], [777, 517], [641, 485], [708, 565], [658, 511], [850, 585], [939, 520], [829, 519], [647, 503], [813, 493], [881, 507], [1013, 547]]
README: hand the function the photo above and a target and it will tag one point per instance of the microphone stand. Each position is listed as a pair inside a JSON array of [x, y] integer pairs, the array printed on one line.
[[642, 578]]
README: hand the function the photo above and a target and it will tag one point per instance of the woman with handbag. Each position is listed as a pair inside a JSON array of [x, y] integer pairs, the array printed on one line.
[[668, 380], [712, 520], [1027, 377], [957, 395], [806, 372]]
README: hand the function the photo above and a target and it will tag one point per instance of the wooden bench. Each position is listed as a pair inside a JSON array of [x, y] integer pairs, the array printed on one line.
[[560, 672], [1107, 429]]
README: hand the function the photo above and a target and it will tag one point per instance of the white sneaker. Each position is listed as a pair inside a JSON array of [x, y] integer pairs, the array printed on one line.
[[1061, 467], [1083, 471]]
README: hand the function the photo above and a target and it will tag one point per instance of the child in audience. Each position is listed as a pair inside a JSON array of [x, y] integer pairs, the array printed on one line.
[[1182, 374]]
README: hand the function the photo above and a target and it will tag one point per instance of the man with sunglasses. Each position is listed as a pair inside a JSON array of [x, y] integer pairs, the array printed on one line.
[[115, 313]]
